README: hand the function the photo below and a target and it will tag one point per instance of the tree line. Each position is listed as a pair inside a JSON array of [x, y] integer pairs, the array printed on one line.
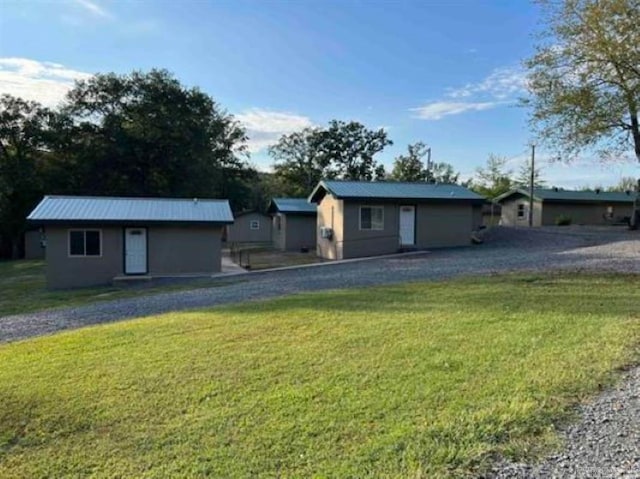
[[145, 134]]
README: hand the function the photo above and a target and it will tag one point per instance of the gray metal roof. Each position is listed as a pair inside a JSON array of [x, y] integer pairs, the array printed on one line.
[[553, 194], [393, 190], [112, 209], [292, 205]]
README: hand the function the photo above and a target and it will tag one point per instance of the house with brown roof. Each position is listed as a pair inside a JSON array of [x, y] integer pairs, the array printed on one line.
[[357, 218], [293, 224], [94, 240], [553, 205]]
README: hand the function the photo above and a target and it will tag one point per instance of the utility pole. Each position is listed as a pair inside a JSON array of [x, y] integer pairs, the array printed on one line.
[[531, 181]]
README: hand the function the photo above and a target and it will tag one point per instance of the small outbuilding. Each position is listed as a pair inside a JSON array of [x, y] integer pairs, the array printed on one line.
[[293, 224], [555, 205], [358, 219], [94, 240], [250, 227]]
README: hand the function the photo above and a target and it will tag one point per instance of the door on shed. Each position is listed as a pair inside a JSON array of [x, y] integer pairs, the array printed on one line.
[[407, 225], [135, 250]]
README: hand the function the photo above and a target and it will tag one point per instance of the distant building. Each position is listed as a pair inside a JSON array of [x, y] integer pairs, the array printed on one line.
[[554, 204], [293, 224], [250, 227]]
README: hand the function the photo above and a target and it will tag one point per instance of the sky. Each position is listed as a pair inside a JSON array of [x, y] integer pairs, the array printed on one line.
[[447, 73]]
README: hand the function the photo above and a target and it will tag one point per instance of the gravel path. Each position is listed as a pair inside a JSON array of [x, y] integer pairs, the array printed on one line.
[[505, 249], [605, 443]]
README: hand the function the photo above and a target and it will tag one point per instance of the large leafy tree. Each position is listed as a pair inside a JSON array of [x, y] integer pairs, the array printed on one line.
[[349, 148], [585, 77], [298, 164], [411, 167], [493, 179], [524, 176], [23, 133], [342, 150], [144, 134]]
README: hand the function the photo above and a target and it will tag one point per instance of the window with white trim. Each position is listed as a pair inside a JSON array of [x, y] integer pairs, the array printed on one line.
[[371, 218], [521, 211], [85, 243], [254, 225]]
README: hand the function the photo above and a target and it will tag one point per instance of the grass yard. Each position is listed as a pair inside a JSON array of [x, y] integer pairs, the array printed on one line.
[[22, 287], [418, 380]]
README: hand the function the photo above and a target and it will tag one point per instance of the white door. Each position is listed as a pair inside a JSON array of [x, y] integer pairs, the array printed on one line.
[[407, 225], [135, 250]]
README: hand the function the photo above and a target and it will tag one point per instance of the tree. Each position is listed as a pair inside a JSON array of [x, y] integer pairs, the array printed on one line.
[[442, 172], [493, 179], [585, 78], [340, 151], [23, 126], [524, 176], [349, 148], [298, 166], [144, 134], [626, 183], [410, 167]]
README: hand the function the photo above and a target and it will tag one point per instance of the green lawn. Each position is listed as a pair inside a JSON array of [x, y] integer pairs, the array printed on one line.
[[22, 289], [419, 380]]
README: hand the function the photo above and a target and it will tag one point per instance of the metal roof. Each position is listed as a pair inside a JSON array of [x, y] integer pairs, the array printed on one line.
[[292, 205], [393, 190], [112, 209], [557, 194]]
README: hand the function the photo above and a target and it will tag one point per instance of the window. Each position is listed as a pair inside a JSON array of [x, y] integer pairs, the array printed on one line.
[[254, 225], [521, 211], [610, 212], [371, 218], [85, 243]]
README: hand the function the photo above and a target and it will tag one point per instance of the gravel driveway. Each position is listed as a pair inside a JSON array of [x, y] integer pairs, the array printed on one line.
[[505, 249], [605, 443]]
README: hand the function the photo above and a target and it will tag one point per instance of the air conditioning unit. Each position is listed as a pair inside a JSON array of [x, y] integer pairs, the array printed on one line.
[[326, 232]]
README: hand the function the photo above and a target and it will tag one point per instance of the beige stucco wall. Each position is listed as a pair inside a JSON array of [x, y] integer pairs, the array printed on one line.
[[359, 243], [184, 250], [240, 231], [330, 214], [63, 271], [32, 245], [509, 215], [172, 250]]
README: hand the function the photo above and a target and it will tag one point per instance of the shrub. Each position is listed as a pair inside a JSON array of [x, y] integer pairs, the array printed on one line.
[[563, 220]]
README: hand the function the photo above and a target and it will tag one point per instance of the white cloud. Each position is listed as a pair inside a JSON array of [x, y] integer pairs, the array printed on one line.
[[265, 127], [94, 8], [500, 87], [440, 109], [44, 82]]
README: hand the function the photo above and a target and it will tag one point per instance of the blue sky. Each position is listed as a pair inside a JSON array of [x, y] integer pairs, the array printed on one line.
[[447, 73]]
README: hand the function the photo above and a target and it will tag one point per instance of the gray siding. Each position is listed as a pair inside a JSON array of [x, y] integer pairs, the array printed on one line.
[[172, 250], [296, 231], [63, 271], [441, 225], [175, 250], [546, 213], [300, 232], [240, 231], [438, 224]]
